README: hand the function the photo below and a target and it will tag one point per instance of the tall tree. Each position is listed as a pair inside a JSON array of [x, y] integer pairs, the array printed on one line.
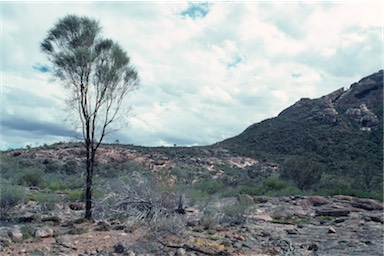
[[98, 74], [302, 171]]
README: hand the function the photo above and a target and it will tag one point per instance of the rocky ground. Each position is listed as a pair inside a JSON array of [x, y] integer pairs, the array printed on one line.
[[296, 225]]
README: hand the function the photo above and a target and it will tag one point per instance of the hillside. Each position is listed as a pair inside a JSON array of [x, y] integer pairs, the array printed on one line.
[[343, 130]]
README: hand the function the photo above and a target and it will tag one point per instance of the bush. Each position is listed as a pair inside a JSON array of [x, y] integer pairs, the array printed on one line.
[[47, 201], [31, 177], [210, 186], [254, 190], [10, 195], [302, 171], [350, 192], [274, 183], [57, 185], [236, 213], [75, 195]]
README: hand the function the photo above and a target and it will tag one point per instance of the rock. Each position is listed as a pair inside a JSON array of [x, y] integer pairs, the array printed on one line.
[[374, 217], [28, 217], [65, 242], [367, 204], [118, 248], [260, 199], [292, 231], [181, 252], [262, 217], [103, 226], [239, 237], [44, 232], [15, 235], [331, 230], [55, 219], [77, 206], [317, 200], [363, 116], [313, 247], [334, 212]]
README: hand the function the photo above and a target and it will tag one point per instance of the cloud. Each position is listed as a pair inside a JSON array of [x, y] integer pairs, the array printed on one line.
[[208, 70]]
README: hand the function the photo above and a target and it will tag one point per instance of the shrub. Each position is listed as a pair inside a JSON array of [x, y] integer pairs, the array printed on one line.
[[75, 195], [274, 183], [287, 191], [47, 201], [10, 195], [255, 190], [28, 231], [56, 185], [210, 186], [302, 171], [236, 213], [31, 177]]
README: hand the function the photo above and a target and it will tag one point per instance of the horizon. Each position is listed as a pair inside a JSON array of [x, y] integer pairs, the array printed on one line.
[[208, 70]]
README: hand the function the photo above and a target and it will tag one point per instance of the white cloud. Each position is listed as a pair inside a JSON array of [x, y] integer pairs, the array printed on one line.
[[206, 75]]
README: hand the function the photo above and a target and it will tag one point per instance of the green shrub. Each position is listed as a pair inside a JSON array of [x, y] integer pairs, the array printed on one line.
[[27, 230], [235, 212], [287, 191], [10, 195], [57, 185], [199, 197], [254, 190], [303, 172], [75, 195], [210, 186], [274, 183], [350, 192], [47, 201], [31, 177]]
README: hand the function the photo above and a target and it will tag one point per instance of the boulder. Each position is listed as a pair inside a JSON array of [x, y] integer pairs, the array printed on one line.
[[44, 232], [333, 212], [15, 235], [318, 200], [65, 242]]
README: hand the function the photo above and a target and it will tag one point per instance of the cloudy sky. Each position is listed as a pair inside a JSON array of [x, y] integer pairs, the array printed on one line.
[[207, 70]]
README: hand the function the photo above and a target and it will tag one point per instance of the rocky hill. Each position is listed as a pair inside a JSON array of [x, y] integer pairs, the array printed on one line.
[[343, 130]]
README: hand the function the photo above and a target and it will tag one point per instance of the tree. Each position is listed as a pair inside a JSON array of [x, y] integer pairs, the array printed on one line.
[[302, 171], [98, 75]]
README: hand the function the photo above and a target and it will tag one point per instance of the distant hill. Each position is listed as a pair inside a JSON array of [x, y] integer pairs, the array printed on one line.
[[343, 130]]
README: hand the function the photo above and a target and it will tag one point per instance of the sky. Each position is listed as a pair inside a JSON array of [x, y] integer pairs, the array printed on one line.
[[208, 70]]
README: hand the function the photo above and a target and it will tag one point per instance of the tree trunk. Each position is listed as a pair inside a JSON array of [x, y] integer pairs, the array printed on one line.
[[89, 182]]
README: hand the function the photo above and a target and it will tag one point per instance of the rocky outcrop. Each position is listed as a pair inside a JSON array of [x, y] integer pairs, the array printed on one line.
[[357, 101], [368, 91], [365, 118]]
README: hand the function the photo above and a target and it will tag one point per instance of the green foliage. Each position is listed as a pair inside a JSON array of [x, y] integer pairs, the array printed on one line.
[[10, 195], [289, 219], [75, 195], [236, 212], [28, 230], [47, 201], [31, 177], [274, 183], [210, 186], [350, 192], [57, 185], [302, 171]]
